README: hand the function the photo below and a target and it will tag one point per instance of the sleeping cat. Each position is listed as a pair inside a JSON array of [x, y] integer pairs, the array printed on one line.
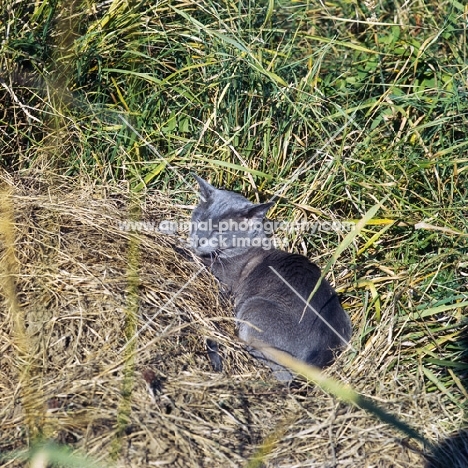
[[270, 287]]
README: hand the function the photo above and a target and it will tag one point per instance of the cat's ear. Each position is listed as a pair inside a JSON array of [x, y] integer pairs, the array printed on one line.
[[259, 211], [206, 189]]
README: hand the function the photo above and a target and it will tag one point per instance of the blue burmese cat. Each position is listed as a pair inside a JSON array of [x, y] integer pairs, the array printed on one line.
[[227, 233]]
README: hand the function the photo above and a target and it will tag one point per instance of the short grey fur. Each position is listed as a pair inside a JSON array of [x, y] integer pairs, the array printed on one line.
[[270, 287]]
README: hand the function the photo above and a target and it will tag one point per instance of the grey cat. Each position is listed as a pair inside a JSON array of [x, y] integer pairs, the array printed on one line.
[[270, 287]]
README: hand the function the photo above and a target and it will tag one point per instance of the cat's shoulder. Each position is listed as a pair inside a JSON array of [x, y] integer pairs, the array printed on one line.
[[281, 258]]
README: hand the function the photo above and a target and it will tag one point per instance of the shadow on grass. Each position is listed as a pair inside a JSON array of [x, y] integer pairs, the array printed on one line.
[[452, 452]]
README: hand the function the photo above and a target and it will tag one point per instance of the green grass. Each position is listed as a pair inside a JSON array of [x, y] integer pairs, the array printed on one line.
[[331, 106]]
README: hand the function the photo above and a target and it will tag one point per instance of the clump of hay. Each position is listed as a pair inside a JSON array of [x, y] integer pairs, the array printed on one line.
[[104, 350]]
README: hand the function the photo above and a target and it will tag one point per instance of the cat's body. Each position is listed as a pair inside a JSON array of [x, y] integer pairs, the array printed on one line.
[[270, 287]]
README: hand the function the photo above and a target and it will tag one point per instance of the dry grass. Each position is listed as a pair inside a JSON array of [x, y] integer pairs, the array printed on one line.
[[333, 108], [70, 373]]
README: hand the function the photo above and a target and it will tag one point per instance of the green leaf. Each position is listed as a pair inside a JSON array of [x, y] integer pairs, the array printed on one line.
[[237, 167], [437, 310]]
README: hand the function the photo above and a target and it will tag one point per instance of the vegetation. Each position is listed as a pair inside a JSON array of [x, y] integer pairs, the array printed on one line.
[[331, 107]]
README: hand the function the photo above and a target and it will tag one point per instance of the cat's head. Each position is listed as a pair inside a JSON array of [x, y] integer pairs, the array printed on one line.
[[225, 223]]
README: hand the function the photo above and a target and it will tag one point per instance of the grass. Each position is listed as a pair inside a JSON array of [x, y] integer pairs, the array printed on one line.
[[329, 107]]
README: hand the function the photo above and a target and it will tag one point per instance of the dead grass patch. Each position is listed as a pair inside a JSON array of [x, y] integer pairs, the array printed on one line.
[[66, 372]]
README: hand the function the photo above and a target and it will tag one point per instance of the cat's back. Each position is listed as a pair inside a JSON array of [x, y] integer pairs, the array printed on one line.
[[286, 278], [275, 298], [293, 268]]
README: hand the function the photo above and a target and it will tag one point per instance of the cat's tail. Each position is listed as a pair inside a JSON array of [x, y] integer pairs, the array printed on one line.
[[213, 353]]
